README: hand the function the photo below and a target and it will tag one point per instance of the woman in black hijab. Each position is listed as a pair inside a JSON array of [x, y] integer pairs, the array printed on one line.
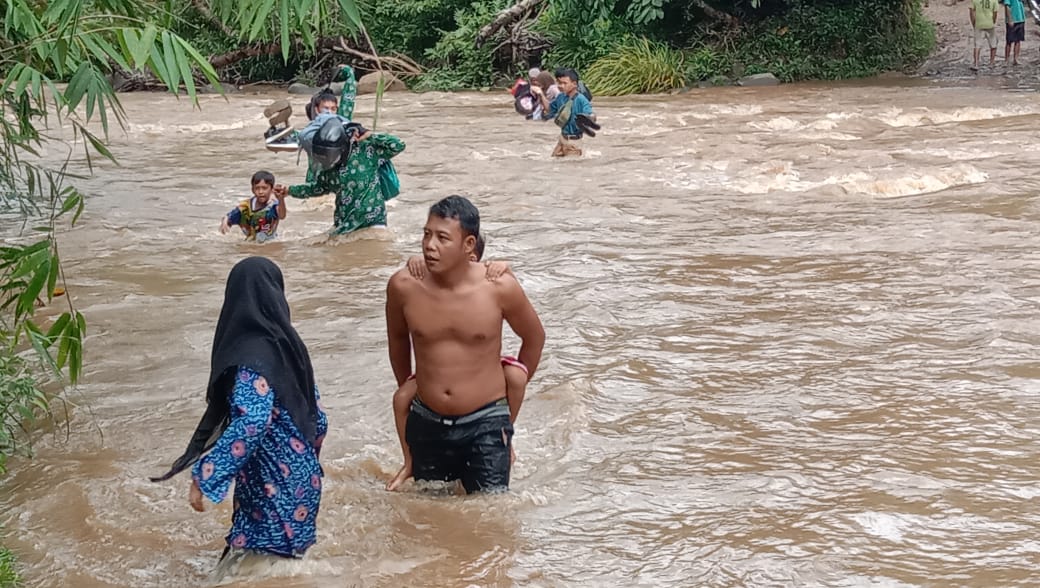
[[262, 427]]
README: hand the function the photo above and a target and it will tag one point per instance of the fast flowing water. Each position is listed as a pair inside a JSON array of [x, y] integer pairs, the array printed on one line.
[[792, 341]]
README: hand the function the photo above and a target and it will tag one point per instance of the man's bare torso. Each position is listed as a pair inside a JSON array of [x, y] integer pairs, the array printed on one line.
[[457, 337]]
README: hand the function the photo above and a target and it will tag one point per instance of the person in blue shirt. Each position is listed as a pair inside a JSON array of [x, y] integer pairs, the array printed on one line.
[[263, 427], [1015, 25], [572, 112]]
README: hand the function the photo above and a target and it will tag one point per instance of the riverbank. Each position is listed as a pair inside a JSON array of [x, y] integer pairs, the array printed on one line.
[[952, 58]]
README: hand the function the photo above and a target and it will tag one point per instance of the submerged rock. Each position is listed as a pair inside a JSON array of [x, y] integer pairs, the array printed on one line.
[[298, 88]]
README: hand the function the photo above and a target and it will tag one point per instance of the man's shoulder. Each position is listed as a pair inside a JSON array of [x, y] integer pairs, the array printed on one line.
[[401, 278], [505, 286]]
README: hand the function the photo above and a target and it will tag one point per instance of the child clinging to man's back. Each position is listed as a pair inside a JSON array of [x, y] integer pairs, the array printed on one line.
[[257, 216], [514, 371]]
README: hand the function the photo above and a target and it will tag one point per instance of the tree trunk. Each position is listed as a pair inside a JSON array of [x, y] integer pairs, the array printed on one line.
[[505, 18], [232, 57], [716, 14]]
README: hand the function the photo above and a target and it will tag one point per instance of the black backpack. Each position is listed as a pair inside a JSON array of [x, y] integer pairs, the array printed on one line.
[[585, 91]]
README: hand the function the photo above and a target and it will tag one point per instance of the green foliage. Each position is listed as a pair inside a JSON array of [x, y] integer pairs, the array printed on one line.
[[457, 62], [638, 66], [286, 21], [635, 11], [412, 26], [706, 63], [837, 40], [8, 574], [578, 43]]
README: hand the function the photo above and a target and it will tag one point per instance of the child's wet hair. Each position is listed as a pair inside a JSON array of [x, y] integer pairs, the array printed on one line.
[[262, 176], [325, 95]]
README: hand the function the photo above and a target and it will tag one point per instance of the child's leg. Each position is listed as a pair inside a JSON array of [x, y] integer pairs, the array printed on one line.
[[402, 401], [516, 387]]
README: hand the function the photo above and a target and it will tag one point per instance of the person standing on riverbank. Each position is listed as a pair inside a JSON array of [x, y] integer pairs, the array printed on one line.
[[983, 16], [1015, 23]]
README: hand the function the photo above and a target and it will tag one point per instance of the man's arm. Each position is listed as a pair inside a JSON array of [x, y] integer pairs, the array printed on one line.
[[398, 338], [315, 186], [554, 106], [522, 318]]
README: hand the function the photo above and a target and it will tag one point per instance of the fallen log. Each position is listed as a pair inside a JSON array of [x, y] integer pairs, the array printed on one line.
[[505, 18]]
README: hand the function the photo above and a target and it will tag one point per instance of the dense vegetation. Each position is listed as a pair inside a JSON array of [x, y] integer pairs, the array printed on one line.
[[631, 46]]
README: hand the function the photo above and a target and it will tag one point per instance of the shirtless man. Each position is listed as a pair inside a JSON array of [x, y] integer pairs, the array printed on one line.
[[460, 426]]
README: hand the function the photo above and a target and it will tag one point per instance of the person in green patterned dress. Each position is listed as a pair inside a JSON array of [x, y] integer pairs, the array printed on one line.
[[360, 200]]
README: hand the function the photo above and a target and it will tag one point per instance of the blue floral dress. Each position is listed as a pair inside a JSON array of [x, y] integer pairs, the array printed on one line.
[[277, 474]]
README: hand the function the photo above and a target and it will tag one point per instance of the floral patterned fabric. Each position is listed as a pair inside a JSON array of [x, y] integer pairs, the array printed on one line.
[[277, 474]]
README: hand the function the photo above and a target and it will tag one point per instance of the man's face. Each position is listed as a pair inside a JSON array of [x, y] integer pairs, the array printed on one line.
[[444, 245], [566, 85], [328, 106]]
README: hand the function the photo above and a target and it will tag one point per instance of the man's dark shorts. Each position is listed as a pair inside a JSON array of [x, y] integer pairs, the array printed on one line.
[[473, 448], [1016, 32]]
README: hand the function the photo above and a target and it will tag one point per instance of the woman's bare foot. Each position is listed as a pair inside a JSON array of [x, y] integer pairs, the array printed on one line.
[[402, 475]]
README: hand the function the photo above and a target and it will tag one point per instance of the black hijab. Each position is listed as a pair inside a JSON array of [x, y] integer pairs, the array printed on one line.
[[254, 331]]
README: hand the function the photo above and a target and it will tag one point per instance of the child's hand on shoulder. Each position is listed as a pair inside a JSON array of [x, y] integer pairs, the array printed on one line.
[[417, 267], [496, 269]]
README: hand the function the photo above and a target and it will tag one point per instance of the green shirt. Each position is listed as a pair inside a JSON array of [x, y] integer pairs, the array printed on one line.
[[984, 11]]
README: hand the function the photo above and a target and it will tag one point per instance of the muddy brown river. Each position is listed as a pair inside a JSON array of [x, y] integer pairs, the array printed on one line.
[[792, 341]]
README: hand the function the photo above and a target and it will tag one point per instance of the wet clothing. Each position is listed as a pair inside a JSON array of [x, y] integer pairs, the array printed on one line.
[[568, 145], [578, 105], [257, 225], [277, 475], [262, 426], [473, 448], [359, 201]]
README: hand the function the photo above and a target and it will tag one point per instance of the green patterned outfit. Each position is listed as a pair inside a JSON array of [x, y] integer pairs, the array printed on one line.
[[359, 201]]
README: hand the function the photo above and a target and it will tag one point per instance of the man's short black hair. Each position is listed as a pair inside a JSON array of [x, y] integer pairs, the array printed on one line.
[[461, 209], [567, 72]]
